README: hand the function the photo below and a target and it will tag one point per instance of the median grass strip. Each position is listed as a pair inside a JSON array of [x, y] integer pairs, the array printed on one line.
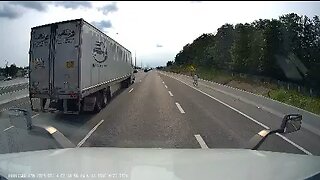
[[311, 104]]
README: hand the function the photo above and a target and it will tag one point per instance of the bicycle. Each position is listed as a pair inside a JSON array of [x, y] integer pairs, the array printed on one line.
[[195, 83], [195, 80]]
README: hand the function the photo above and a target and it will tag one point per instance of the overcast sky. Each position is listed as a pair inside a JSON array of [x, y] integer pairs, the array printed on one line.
[[156, 31]]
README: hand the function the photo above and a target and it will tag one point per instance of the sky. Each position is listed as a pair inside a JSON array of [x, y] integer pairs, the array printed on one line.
[[154, 31]]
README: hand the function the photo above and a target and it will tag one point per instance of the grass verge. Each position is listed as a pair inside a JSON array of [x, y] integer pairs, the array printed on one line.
[[311, 104], [296, 99]]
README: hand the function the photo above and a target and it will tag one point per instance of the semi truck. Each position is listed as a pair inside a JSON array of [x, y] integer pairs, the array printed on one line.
[[75, 67]]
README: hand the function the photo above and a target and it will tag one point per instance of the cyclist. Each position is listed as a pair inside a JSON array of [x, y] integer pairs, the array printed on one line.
[[195, 79]]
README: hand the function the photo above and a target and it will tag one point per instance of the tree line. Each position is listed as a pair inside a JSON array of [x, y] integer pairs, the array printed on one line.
[[11, 70], [260, 48]]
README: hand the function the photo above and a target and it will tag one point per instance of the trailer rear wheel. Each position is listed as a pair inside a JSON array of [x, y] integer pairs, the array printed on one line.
[[104, 99], [109, 96], [126, 83], [98, 105]]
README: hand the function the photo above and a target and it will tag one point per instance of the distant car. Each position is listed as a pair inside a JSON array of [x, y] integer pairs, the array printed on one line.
[[135, 71], [146, 70], [8, 78]]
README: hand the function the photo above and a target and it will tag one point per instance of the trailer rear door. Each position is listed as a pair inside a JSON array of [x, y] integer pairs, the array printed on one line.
[[39, 63], [66, 59], [54, 59]]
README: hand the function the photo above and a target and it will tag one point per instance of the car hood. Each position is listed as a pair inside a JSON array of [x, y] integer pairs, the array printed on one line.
[[136, 163]]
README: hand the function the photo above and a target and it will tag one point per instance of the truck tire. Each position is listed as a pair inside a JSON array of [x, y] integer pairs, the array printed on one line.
[[98, 105], [104, 98], [126, 83], [109, 96], [81, 111]]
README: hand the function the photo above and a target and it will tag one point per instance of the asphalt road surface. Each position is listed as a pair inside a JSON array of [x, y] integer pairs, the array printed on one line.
[[162, 110], [15, 81]]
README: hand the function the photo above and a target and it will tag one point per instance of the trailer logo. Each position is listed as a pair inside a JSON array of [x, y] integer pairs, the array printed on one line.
[[99, 52], [66, 36], [41, 40]]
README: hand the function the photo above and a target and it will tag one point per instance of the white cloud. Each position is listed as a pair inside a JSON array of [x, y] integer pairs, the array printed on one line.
[[74, 4], [109, 8], [36, 5], [102, 24], [9, 11]]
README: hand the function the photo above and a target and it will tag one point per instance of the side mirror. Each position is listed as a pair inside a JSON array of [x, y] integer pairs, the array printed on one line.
[[291, 123], [20, 118]]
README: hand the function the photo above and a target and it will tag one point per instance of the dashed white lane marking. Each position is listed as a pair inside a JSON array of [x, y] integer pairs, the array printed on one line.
[[140, 81], [13, 126], [180, 108], [8, 128], [166, 86], [247, 116], [162, 82], [34, 115], [89, 134], [201, 141], [170, 93], [131, 90]]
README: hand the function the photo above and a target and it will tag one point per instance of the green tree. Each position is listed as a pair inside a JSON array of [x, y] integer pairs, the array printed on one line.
[[12, 70], [291, 30], [220, 49], [255, 48], [258, 46], [313, 76], [183, 57], [240, 50], [273, 46], [196, 52]]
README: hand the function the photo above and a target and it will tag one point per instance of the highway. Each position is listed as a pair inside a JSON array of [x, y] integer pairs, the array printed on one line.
[[13, 82], [164, 110]]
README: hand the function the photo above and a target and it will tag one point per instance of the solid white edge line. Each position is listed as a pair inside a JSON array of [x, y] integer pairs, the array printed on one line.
[[131, 90], [89, 133], [263, 107], [294, 144], [170, 93], [8, 128], [255, 95], [245, 115], [201, 141], [180, 108]]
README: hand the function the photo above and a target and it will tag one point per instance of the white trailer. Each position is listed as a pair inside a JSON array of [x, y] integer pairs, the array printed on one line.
[[76, 66]]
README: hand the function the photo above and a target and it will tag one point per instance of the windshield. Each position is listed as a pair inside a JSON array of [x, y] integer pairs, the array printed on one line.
[[171, 75]]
